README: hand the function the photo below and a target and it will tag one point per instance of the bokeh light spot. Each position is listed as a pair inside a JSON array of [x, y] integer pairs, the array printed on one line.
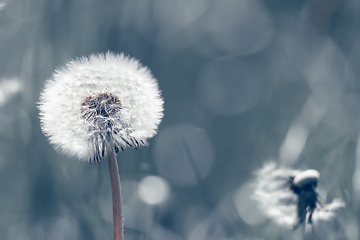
[[246, 207], [153, 190]]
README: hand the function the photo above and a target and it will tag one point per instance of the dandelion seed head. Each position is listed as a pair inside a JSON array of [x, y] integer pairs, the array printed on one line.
[[289, 197], [100, 101]]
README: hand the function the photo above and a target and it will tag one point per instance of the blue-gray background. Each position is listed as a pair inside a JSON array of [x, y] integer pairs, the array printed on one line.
[[244, 82]]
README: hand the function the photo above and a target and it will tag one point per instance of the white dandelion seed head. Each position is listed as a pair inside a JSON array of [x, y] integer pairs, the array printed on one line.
[[100, 101], [289, 197]]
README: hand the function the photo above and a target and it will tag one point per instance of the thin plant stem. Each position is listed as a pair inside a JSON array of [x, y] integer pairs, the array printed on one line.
[[116, 196]]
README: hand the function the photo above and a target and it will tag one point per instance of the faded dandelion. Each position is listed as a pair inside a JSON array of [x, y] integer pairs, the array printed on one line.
[[290, 198], [98, 105]]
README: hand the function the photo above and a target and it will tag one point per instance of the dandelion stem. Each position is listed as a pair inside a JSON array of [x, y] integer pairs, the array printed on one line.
[[116, 196]]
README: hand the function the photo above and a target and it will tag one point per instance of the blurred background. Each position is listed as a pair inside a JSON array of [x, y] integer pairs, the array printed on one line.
[[244, 82]]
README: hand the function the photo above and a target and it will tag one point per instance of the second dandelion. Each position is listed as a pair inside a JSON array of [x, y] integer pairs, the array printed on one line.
[[98, 105], [290, 197]]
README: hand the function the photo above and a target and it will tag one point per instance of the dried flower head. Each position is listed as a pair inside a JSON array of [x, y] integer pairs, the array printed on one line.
[[290, 197], [99, 102]]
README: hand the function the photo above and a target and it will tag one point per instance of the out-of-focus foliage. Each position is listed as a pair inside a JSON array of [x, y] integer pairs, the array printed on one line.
[[244, 81]]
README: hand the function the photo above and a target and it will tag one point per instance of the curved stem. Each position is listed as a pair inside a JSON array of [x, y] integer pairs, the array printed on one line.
[[116, 196]]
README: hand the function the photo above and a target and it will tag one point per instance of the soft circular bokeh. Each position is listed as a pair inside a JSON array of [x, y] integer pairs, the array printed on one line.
[[153, 190]]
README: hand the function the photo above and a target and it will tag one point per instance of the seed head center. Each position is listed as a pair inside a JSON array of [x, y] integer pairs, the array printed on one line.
[[103, 105]]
